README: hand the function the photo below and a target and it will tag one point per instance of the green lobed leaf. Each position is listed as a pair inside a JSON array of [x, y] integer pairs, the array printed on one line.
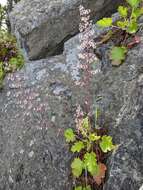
[[118, 53], [133, 3], [122, 24], [106, 144], [123, 11], [137, 13], [77, 167], [69, 135], [90, 163], [132, 28], [77, 147], [105, 22]]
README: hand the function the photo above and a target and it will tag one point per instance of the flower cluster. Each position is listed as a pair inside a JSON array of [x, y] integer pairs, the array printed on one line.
[[86, 55], [86, 48], [87, 44], [78, 117]]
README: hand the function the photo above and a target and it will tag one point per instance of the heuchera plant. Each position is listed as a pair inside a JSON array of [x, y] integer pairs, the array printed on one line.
[[127, 22], [85, 141]]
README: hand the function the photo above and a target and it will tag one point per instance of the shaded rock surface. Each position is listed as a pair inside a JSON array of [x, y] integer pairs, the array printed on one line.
[[43, 26]]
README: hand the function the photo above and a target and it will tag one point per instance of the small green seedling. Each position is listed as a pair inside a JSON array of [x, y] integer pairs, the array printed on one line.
[[118, 54]]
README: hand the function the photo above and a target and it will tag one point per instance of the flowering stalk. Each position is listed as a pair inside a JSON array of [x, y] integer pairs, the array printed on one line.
[[86, 55], [87, 143]]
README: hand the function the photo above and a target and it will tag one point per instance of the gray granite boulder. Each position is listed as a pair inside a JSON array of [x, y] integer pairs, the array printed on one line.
[[43, 26], [38, 103], [35, 108], [120, 90], [124, 110]]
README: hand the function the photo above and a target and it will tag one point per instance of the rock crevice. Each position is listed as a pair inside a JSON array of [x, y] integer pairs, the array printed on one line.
[[41, 26]]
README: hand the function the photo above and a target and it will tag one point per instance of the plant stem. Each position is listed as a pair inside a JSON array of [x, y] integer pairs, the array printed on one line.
[[86, 181]]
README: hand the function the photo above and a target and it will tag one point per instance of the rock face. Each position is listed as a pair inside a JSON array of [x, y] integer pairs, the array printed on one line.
[[43, 26], [126, 92], [120, 90], [35, 109], [37, 104]]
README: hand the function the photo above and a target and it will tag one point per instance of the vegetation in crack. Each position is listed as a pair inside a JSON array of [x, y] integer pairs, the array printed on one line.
[[89, 147], [11, 57], [128, 23], [88, 142]]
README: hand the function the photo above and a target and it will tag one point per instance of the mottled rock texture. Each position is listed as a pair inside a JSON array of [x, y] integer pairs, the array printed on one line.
[[35, 107], [120, 90], [38, 103], [43, 26]]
